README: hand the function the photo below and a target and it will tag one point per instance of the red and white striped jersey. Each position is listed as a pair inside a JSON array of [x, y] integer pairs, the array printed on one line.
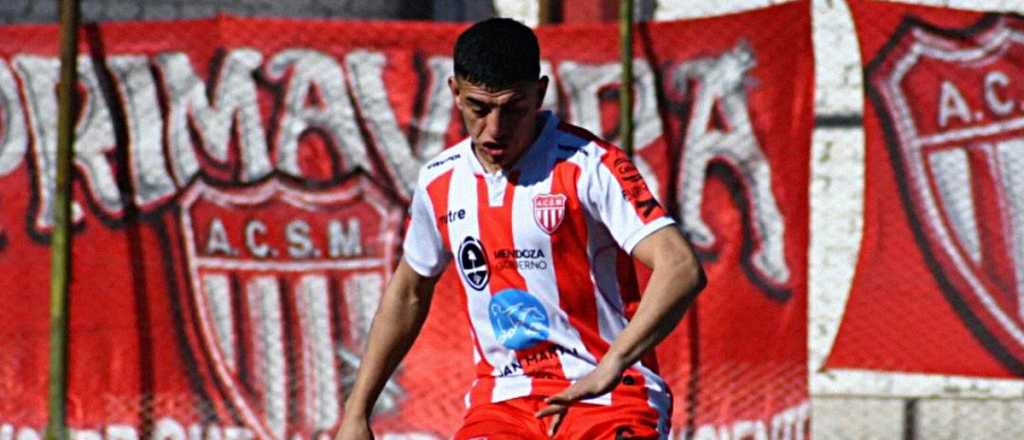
[[539, 248]]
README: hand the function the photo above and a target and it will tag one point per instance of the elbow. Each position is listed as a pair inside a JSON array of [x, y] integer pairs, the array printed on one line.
[[673, 258], [702, 279], [684, 276], [688, 270], [692, 275]]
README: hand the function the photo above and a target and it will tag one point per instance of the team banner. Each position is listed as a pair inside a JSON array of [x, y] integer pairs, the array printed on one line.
[[941, 268], [240, 195]]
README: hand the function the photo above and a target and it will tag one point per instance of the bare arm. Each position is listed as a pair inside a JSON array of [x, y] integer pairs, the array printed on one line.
[[398, 321], [676, 279]]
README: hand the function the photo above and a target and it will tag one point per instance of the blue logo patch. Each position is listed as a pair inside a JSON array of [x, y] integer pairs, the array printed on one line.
[[519, 319]]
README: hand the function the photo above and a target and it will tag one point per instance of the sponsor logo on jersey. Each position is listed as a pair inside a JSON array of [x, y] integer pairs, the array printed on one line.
[[634, 189], [951, 111], [519, 253], [548, 355], [268, 267], [473, 263], [440, 162], [522, 259], [451, 217], [548, 211], [519, 319]]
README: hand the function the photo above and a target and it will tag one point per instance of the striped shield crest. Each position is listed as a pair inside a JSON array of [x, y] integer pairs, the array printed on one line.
[[548, 211], [958, 151], [285, 281]]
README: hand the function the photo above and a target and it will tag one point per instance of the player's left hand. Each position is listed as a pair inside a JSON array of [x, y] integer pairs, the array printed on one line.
[[598, 382]]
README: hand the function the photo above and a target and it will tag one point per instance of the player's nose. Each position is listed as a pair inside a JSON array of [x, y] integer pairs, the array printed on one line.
[[497, 126]]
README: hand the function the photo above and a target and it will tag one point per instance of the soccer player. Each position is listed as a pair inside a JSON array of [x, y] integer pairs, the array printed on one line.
[[541, 218]]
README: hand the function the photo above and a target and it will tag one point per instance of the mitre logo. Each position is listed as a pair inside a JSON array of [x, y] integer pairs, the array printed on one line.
[[952, 107], [284, 282]]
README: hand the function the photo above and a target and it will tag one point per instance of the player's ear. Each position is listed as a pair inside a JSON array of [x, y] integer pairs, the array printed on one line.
[[453, 85], [542, 89]]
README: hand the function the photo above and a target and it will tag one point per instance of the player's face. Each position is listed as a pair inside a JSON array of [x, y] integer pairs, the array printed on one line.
[[502, 123]]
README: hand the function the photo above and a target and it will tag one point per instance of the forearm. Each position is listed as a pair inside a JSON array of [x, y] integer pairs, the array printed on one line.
[[668, 295], [395, 326]]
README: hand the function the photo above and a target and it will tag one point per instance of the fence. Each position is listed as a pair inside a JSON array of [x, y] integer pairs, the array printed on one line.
[[846, 404], [862, 404]]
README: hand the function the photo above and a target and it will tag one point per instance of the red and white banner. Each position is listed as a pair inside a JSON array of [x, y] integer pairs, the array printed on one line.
[[239, 193], [939, 287]]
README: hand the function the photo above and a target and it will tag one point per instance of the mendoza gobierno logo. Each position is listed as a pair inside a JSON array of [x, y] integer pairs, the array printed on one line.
[[952, 108], [277, 269]]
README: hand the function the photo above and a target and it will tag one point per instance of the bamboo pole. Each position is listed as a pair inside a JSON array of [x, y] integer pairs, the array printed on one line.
[[626, 91], [60, 244]]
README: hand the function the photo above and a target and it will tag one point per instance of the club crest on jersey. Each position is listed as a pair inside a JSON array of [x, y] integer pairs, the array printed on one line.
[[548, 211], [473, 263], [951, 114], [272, 266]]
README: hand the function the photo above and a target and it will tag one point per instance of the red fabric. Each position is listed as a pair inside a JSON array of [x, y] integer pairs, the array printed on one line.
[[144, 339], [573, 272], [590, 11], [912, 303], [514, 420]]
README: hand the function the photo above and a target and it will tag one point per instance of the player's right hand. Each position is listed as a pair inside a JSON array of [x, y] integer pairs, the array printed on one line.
[[354, 429]]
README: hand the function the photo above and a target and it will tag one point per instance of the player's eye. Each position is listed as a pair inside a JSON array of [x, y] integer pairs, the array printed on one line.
[[478, 108], [515, 109]]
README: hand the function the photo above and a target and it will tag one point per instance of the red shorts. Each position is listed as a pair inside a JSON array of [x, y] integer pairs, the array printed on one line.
[[514, 420]]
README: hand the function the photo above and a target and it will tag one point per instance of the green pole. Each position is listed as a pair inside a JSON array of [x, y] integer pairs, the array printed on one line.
[[626, 92], [56, 428]]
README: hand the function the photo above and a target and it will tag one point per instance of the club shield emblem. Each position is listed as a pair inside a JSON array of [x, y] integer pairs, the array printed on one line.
[[951, 105], [284, 282], [548, 211]]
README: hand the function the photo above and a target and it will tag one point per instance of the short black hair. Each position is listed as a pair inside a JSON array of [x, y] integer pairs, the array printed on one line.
[[497, 53]]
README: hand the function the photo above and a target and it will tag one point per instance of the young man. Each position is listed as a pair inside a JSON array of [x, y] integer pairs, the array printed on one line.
[[539, 217]]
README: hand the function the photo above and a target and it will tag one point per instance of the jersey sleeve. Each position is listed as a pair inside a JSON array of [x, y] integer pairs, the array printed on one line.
[[422, 248], [621, 200]]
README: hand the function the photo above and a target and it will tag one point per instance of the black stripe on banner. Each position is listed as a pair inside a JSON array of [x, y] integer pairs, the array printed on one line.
[[839, 120]]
